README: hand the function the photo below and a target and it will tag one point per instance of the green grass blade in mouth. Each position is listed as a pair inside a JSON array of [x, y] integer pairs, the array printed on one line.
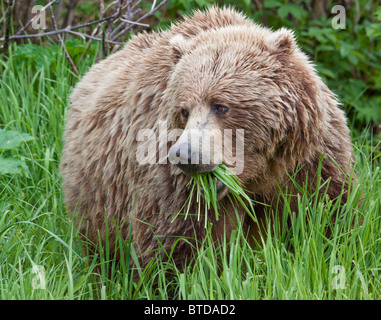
[[205, 185], [228, 177]]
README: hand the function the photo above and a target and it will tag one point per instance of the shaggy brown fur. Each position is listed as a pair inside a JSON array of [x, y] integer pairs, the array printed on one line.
[[289, 116]]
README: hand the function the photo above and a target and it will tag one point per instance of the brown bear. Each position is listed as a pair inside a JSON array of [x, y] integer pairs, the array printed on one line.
[[214, 70]]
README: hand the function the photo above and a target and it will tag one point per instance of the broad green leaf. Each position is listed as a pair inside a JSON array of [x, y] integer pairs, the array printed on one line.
[[12, 139], [378, 13], [13, 166], [272, 4], [292, 9]]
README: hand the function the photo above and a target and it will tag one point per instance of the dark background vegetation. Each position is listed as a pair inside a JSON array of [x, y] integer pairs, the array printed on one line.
[[347, 59]]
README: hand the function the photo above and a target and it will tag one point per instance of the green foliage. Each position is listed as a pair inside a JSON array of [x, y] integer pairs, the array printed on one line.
[[87, 8], [45, 56], [10, 140]]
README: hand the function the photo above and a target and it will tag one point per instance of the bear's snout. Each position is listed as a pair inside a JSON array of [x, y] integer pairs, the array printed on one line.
[[188, 159]]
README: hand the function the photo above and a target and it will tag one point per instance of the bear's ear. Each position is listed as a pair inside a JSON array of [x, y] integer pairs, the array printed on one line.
[[282, 42], [180, 46]]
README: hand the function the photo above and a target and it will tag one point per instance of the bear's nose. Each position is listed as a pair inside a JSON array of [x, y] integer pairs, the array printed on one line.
[[189, 160], [184, 153], [183, 156]]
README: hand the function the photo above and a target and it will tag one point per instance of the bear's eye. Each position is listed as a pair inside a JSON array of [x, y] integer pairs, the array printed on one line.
[[185, 113], [219, 108]]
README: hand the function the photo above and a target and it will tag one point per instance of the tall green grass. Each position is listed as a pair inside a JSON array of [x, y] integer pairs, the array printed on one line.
[[37, 234]]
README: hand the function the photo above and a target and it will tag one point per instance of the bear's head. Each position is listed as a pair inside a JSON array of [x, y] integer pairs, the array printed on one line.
[[244, 96]]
